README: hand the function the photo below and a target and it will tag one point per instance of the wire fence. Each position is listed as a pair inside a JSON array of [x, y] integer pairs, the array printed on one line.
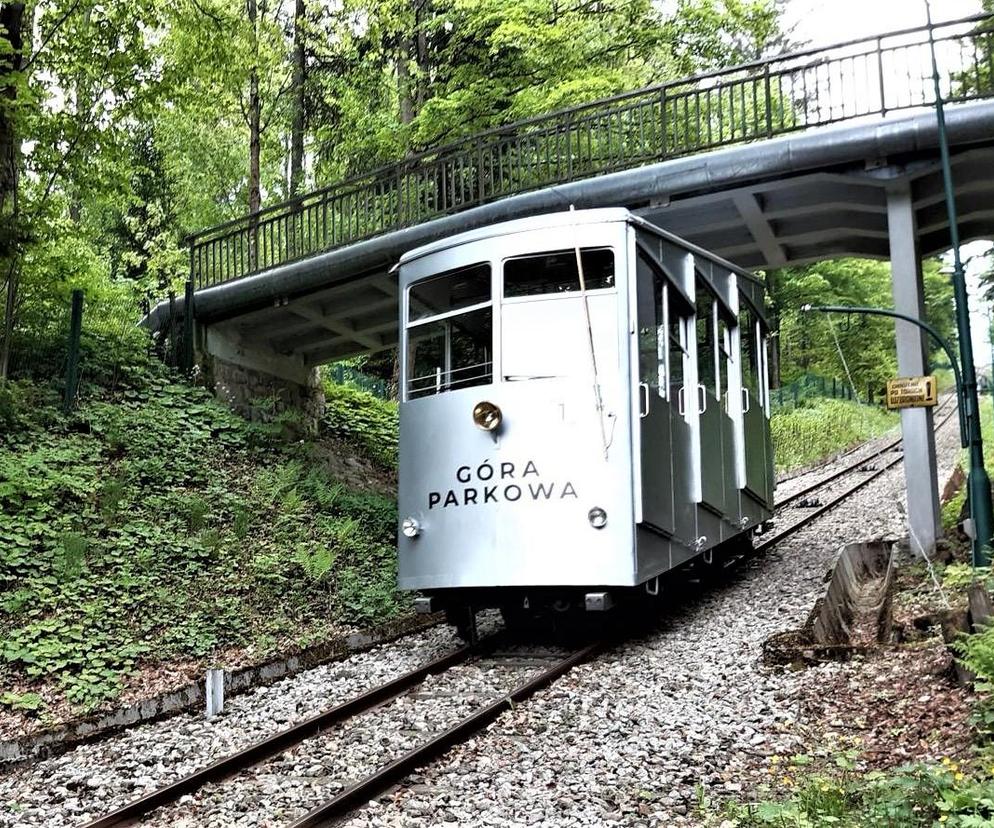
[[810, 387]]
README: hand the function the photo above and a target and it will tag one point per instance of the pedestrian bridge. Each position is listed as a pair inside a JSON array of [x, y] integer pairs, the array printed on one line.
[[783, 161], [793, 159]]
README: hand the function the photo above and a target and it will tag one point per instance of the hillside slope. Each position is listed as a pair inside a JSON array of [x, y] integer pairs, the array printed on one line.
[[152, 530]]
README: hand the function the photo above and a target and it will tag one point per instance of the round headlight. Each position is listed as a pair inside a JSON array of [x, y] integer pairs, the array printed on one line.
[[597, 517], [410, 527], [487, 416]]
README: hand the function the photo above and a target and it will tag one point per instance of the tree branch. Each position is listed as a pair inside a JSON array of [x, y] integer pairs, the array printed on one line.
[[218, 20], [48, 37]]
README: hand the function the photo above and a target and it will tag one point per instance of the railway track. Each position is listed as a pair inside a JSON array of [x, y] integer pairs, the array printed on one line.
[[871, 467], [505, 675], [947, 399], [527, 672]]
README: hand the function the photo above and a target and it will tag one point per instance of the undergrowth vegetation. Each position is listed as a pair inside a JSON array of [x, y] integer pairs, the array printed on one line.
[[153, 524], [818, 428], [914, 796], [364, 420], [956, 792]]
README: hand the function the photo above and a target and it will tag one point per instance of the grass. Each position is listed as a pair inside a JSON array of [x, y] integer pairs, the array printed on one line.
[[821, 427]]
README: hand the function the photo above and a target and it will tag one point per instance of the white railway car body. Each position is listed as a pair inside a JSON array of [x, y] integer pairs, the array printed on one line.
[[633, 415]]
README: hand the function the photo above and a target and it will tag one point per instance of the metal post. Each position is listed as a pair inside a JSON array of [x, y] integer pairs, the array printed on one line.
[[979, 484], [189, 240], [72, 361], [990, 337], [769, 101], [171, 360], [963, 422], [917, 424], [214, 692], [188, 317], [921, 323]]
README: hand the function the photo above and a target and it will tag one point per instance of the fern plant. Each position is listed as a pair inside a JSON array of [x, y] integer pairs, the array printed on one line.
[[315, 559], [977, 654]]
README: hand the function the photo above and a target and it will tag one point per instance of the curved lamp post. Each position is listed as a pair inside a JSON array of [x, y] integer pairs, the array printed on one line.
[[978, 483]]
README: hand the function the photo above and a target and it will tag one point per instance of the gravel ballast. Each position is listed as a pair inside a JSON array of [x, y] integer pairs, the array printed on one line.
[[95, 779], [624, 740]]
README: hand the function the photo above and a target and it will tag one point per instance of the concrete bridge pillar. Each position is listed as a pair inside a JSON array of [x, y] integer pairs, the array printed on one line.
[[260, 384], [920, 474]]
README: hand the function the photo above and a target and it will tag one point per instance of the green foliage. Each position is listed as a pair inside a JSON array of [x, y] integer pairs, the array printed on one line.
[[806, 342], [364, 420], [977, 654], [30, 702], [316, 561], [153, 523], [957, 576], [952, 509], [818, 428], [418, 75], [916, 796]]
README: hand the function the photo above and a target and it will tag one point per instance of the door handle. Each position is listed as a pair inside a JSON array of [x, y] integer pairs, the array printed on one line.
[[643, 389], [746, 405], [702, 399], [680, 406]]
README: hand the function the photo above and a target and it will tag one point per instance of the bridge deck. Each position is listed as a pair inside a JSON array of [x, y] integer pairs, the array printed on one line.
[[789, 200]]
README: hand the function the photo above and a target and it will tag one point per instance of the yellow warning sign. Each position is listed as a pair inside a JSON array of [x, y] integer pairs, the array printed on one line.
[[912, 392]]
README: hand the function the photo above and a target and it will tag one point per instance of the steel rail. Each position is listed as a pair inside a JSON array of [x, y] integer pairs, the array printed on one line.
[[787, 501], [279, 742], [355, 796], [366, 789]]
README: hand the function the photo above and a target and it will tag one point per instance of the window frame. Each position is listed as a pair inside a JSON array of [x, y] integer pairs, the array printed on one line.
[[712, 339], [410, 325], [569, 294], [448, 272]]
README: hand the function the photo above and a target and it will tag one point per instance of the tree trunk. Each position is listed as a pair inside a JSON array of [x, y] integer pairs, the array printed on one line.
[[11, 16], [8, 318], [404, 91], [298, 122], [421, 13], [83, 103], [255, 138]]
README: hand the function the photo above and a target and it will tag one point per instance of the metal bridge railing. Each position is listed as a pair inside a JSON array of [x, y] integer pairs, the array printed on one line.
[[867, 77]]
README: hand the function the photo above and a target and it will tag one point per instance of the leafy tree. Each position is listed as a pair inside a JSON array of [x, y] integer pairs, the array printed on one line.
[[129, 125], [811, 343], [413, 75]]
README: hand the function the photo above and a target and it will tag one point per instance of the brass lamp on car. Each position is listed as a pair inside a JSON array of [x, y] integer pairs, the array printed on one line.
[[487, 416]]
